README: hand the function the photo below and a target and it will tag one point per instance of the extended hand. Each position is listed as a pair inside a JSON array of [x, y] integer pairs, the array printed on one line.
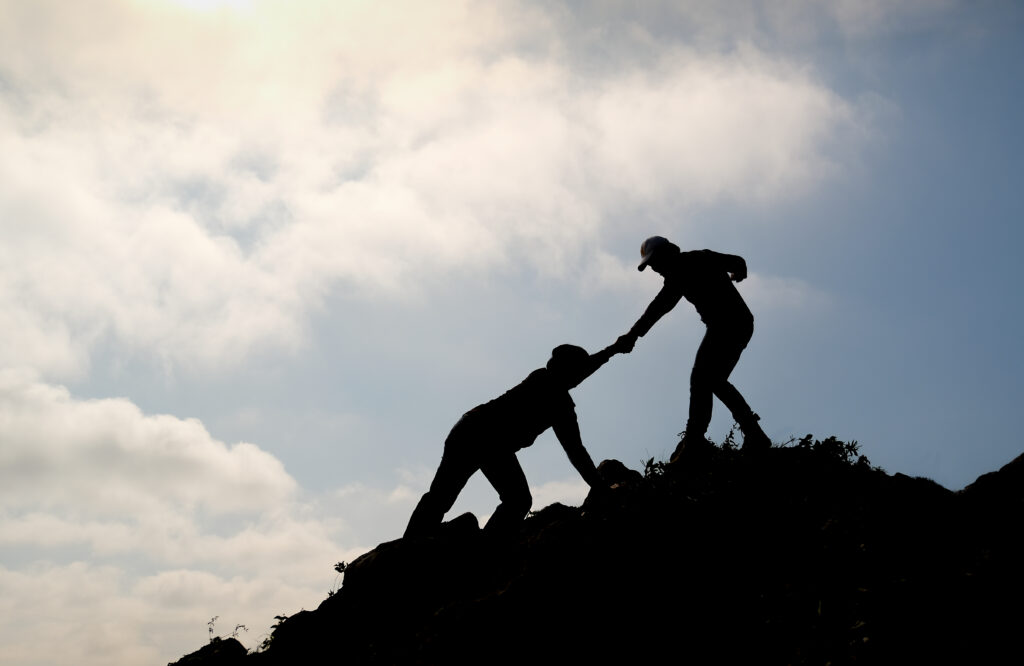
[[625, 343]]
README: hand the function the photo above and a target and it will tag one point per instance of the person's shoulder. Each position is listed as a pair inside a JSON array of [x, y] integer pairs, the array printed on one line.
[[528, 383], [699, 259], [538, 381], [544, 378], [688, 257], [683, 265], [543, 381], [538, 375]]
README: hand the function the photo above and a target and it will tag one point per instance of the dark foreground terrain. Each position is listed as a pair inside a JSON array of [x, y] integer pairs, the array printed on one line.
[[803, 554]]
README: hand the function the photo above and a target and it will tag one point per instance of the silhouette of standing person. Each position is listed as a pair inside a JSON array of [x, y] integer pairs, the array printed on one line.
[[705, 279], [488, 436]]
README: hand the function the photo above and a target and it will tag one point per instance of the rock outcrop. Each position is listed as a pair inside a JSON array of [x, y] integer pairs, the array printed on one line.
[[221, 651]]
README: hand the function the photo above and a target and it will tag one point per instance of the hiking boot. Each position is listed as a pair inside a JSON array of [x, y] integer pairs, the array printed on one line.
[[689, 447], [754, 438]]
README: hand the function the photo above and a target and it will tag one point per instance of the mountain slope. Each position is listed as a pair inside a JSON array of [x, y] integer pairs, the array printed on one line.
[[799, 555]]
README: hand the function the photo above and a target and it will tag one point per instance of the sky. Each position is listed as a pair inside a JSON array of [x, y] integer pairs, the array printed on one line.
[[257, 257]]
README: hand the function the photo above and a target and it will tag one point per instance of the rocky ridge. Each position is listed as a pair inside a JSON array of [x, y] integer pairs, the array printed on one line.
[[803, 554]]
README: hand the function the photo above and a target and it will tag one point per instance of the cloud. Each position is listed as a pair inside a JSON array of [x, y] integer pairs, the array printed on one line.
[[859, 18], [101, 477], [99, 614], [766, 292], [129, 531], [704, 129], [81, 266], [621, 29], [106, 457], [206, 212], [570, 492]]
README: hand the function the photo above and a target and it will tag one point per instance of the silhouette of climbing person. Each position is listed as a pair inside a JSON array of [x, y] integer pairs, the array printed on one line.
[[488, 436], [704, 278]]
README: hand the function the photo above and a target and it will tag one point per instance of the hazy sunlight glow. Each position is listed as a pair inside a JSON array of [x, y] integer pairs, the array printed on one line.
[[211, 5]]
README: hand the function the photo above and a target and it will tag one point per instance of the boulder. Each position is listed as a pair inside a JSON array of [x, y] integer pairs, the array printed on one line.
[[218, 652]]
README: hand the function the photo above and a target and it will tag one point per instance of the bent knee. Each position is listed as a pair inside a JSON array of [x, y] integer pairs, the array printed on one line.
[[520, 503], [439, 500], [702, 378]]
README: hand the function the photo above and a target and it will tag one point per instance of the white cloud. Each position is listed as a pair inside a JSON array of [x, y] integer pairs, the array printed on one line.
[[702, 129], [106, 457], [570, 492], [765, 292], [712, 24], [100, 477], [90, 614], [125, 532], [70, 614], [204, 212], [865, 18]]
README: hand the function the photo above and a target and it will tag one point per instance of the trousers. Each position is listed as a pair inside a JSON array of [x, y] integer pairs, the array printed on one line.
[[717, 356], [465, 452]]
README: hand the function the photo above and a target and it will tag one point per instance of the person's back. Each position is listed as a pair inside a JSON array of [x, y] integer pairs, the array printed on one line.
[[703, 279], [518, 416]]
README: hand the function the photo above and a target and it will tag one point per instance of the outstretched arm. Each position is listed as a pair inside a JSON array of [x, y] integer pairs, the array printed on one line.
[[567, 429], [662, 304], [596, 360]]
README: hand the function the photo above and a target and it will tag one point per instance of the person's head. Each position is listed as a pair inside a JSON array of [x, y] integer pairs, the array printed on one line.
[[654, 251], [569, 363]]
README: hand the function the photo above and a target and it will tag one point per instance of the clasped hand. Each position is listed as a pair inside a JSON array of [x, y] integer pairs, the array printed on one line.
[[624, 344]]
